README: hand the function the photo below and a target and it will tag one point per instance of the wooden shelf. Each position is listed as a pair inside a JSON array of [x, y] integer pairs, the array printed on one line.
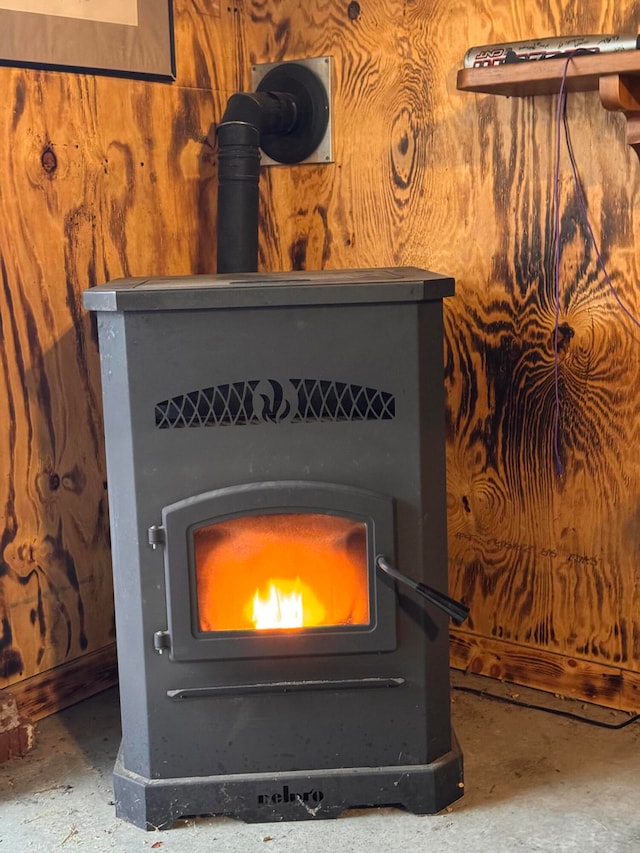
[[543, 76], [616, 76]]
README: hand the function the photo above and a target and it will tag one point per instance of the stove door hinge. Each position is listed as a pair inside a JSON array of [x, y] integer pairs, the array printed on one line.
[[156, 535], [162, 641]]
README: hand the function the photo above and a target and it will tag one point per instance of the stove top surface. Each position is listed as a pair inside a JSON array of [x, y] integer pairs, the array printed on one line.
[[252, 290]]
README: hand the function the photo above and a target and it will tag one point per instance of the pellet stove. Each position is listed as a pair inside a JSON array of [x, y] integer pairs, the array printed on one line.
[[272, 442]]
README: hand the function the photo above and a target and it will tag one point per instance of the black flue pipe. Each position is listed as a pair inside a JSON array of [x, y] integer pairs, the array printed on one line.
[[238, 196], [246, 117]]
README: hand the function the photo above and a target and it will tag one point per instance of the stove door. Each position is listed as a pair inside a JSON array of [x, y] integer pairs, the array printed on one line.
[[277, 569]]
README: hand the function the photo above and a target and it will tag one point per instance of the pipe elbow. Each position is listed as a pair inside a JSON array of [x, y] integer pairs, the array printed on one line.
[[243, 107], [266, 112]]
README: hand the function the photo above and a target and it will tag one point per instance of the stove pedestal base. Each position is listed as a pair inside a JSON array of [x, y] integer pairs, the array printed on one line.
[[300, 795]]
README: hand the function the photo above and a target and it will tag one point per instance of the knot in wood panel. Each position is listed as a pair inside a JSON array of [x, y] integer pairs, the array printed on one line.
[[565, 333], [354, 11], [49, 160], [403, 149]]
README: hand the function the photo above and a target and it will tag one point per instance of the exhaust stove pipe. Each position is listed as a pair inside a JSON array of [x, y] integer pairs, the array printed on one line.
[[246, 118], [287, 117]]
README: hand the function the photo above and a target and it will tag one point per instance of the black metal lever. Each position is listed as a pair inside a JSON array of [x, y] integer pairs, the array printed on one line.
[[455, 609]]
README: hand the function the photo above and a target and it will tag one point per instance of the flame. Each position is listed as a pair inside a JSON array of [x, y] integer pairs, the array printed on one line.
[[282, 572], [286, 604], [280, 610]]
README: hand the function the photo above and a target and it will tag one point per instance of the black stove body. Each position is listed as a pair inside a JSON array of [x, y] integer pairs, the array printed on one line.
[[267, 437]]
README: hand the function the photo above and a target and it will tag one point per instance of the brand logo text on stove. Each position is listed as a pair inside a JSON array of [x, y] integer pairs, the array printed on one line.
[[260, 401], [287, 796]]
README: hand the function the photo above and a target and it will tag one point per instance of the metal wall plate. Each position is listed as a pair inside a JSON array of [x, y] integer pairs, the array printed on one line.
[[321, 66]]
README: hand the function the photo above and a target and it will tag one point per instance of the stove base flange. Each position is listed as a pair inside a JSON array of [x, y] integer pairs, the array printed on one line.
[[155, 804]]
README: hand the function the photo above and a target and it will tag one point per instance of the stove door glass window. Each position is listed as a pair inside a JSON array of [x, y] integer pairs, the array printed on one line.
[[281, 572]]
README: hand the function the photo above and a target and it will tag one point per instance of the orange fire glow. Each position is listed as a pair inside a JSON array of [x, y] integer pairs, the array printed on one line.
[[281, 572]]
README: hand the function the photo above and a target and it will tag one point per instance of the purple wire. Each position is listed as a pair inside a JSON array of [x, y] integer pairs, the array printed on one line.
[[562, 115], [562, 97], [585, 215]]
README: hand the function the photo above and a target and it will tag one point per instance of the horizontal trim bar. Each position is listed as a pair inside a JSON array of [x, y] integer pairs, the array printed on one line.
[[283, 687]]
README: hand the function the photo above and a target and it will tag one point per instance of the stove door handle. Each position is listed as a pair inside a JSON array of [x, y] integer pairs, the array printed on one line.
[[455, 609]]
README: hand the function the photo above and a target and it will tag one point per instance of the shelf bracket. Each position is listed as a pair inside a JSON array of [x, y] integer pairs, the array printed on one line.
[[621, 92]]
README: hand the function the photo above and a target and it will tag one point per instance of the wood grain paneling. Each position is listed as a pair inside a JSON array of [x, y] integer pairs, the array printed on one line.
[[72, 681], [102, 177], [463, 184], [566, 677]]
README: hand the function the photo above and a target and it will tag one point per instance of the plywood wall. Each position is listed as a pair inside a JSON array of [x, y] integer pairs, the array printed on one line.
[[463, 184], [104, 177]]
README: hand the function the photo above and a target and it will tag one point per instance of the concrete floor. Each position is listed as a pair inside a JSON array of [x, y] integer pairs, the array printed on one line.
[[534, 781]]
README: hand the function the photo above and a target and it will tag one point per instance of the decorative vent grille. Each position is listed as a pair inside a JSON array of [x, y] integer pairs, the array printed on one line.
[[322, 400], [258, 401]]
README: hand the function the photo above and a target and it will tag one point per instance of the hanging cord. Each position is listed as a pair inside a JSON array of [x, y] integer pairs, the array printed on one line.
[[583, 209], [561, 109], [562, 121]]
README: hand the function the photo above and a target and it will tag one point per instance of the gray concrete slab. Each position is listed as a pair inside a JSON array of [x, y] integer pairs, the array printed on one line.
[[533, 782]]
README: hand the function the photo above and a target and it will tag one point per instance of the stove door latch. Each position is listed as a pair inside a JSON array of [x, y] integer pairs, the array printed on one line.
[[162, 641], [156, 535]]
